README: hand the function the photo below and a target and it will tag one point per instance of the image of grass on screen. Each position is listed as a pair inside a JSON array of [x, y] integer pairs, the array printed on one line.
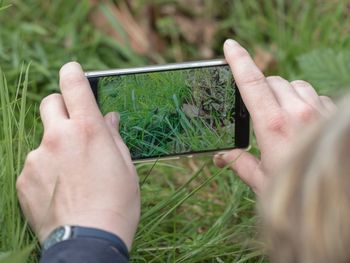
[[172, 112]]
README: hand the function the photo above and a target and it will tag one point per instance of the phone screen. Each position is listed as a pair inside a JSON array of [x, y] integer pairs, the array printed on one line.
[[172, 112]]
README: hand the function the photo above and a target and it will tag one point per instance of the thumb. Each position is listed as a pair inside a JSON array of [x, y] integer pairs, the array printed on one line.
[[245, 165], [112, 120]]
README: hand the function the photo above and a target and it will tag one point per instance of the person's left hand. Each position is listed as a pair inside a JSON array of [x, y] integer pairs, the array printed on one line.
[[82, 173]]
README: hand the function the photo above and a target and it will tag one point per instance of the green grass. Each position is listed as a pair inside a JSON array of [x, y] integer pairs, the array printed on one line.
[[16, 139], [193, 226], [173, 112], [191, 211]]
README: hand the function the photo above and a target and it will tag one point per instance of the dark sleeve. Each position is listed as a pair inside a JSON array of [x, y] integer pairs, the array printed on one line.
[[87, 250]]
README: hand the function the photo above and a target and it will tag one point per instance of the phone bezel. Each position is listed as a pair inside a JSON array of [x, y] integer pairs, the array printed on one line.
[[241, 118]]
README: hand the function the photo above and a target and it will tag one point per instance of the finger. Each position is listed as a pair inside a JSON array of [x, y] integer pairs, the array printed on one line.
[[255, 92], [328, 104], [308, 94], [285, 94], [112, 121], [245, 165], [52, 110], [77, 93]]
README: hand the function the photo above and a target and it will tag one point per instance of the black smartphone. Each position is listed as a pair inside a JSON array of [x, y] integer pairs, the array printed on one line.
[[174, 110]]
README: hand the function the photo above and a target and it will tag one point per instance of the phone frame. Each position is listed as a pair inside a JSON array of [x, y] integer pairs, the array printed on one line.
[[241, 117]]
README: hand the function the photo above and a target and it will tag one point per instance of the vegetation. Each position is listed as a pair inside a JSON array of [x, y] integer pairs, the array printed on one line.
[[192, 211], [172, 112]]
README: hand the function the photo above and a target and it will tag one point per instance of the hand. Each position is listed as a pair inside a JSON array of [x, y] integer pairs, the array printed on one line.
[[280, 110], [82, 173]]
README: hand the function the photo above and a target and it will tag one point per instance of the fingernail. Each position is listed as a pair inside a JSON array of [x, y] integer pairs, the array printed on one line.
[[219, 161], [230, 43], [226, 157], [218, 156]]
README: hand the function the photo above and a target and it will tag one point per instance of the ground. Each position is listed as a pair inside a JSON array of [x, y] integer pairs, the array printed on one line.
[[191, 211]]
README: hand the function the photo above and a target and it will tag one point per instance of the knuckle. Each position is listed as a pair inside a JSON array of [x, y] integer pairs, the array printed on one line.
[[306, 113], [274, 79], [51, 139], [301, 83], [86, 128], [326, 99], [31, 159], [254, 79], [20, 183], [47, 100], [32, 156], [277, 123]]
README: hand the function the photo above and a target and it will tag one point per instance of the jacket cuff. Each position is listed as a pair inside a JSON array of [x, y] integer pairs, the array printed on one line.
[[83, 249]]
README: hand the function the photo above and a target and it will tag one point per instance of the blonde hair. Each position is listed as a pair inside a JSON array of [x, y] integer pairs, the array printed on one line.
[[306, 209]]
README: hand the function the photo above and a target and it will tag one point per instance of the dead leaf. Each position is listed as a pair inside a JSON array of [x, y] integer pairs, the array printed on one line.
[[193, 165], [190, 110], [140, 24], [198, 31], [264, 59], [137, 36], [197, 7]]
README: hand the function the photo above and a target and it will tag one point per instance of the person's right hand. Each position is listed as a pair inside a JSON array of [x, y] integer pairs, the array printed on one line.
[[280, 111], [82, 173]]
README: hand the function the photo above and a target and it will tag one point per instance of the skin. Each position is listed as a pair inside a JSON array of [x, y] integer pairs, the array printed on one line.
[[279, 110], [82, 173]]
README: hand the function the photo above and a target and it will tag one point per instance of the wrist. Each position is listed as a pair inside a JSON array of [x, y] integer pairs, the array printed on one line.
[[103, 220]]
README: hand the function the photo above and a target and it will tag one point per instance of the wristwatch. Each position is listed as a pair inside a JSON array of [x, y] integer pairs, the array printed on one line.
[[66, 232]]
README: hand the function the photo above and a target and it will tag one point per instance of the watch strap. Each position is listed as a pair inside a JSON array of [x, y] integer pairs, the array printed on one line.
[[67, 232], [89, 232]]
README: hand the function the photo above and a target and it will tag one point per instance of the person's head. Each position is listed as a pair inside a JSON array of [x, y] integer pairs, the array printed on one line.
[[306, 210]]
